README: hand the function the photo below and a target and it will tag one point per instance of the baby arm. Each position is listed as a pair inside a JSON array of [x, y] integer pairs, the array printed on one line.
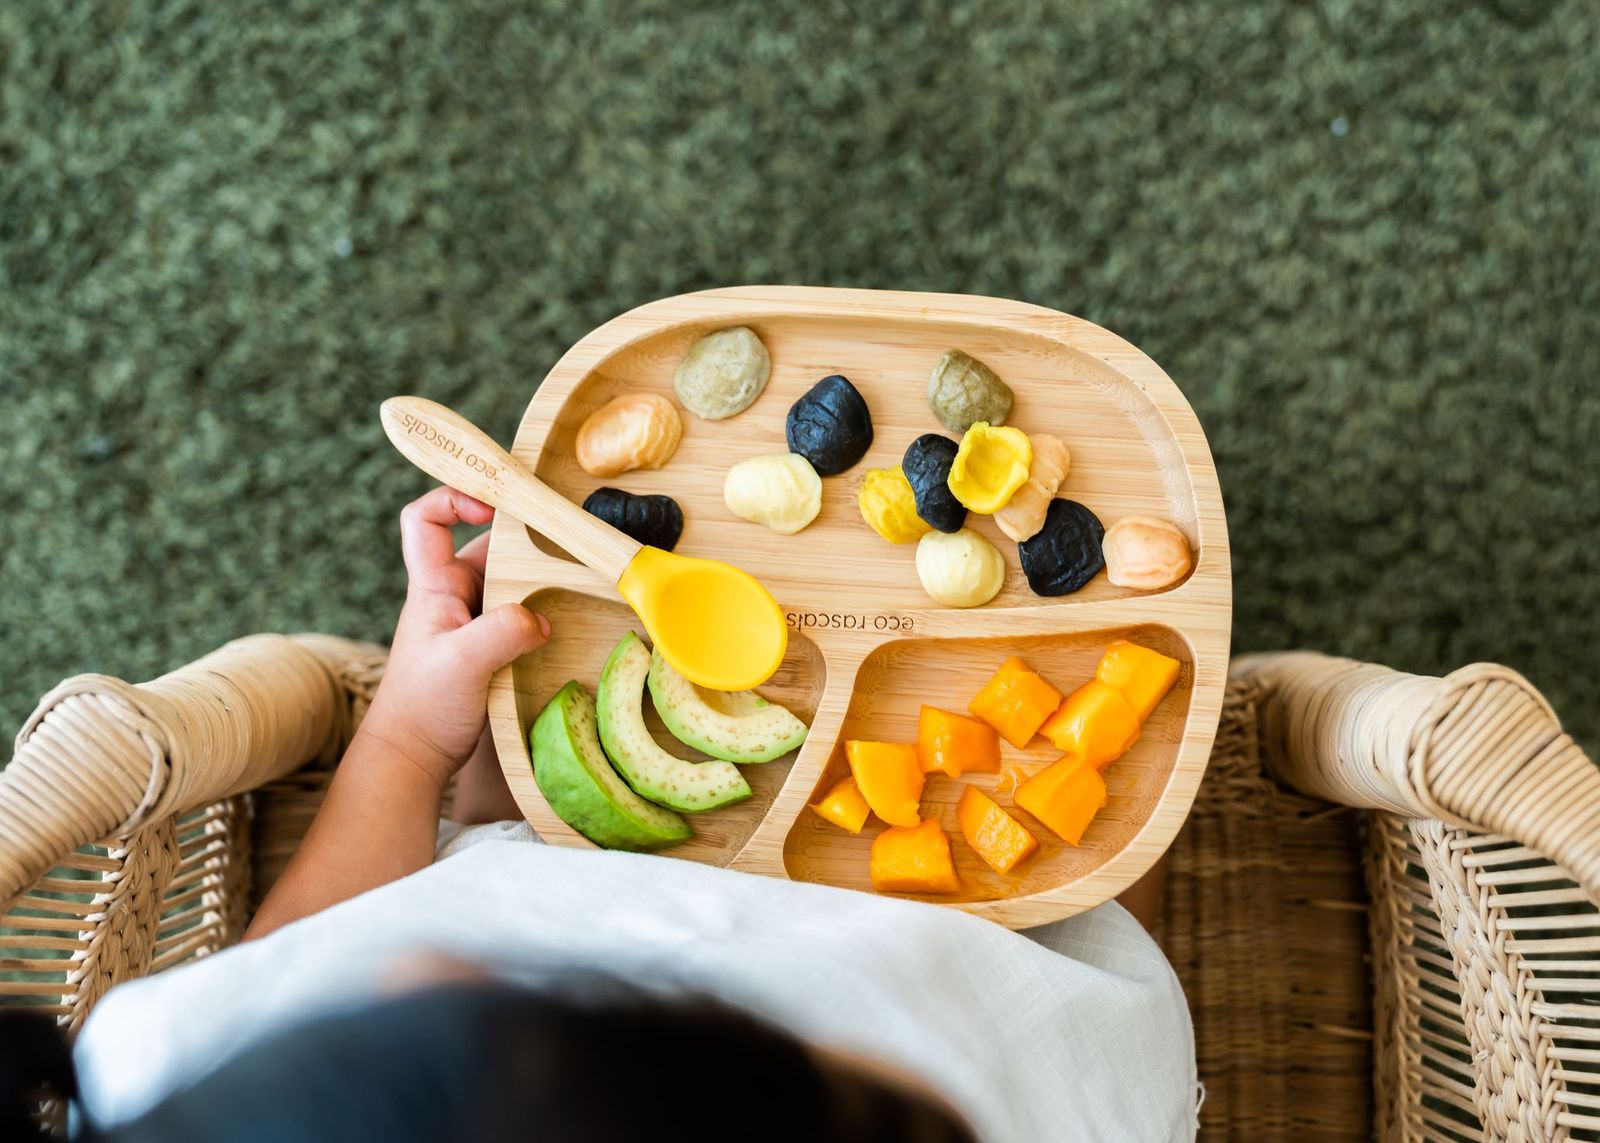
[[380, 817]]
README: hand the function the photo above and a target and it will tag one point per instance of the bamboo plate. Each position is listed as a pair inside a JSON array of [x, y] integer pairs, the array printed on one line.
[[866, 646]]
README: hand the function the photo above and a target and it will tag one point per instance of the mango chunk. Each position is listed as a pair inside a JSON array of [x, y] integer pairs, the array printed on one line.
[[954, 744], [914, 859], [1095, 723], [1143, 676], [993, 834], [1065, 796], [844, 806], [889, 778], [1015, 701]]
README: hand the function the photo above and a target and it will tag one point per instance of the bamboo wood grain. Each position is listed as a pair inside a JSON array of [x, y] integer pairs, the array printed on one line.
[[453, 450], [867, 645]]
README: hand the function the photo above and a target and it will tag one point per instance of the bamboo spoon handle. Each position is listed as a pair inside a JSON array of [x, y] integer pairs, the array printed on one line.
[[453, 450]]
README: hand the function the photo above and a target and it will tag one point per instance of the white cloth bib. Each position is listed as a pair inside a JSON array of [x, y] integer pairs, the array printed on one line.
[[1077, 1030]]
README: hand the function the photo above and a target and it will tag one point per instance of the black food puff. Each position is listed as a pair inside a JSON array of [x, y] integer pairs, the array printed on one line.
[[927, 468], [1065, 554], [654, 520], [830, 426]]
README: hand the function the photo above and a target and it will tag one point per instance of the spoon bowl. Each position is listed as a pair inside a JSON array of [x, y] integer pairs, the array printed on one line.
[[716, 624]]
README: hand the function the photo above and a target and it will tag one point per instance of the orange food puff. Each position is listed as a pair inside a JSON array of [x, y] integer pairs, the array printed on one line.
[[889, 778], [844, 806], [1015, 701], [994, 835], [1143, 676], [1065, 796], [1095, 723], [914, 859], [954, 744]]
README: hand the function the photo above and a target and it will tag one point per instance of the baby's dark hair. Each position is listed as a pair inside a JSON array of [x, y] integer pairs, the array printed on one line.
[[491, 1062]]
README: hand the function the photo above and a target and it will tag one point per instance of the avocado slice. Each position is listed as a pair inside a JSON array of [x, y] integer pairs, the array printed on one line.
[[673, 782], [583, 789], [736, 726]]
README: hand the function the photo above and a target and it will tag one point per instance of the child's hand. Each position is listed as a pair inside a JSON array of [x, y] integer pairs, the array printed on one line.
[[430, 707]]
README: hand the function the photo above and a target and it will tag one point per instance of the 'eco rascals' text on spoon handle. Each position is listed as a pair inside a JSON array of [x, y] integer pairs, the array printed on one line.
[[453, 450]]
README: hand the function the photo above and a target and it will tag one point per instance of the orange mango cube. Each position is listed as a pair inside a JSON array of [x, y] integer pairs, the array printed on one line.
[[1095, 723], [844, 806], [1015, 701], [889, 777], [1143, 676], [914, 859], [954, 744], [994, 835], [1065, 796]]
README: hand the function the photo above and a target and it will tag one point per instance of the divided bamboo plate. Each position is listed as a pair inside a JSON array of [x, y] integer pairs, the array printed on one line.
[[866, 646]]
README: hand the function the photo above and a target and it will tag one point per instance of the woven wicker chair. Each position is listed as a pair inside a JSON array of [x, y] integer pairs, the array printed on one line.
[[1385, 909]]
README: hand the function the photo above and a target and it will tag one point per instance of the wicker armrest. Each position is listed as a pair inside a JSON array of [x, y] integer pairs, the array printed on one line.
[[100, 757], [1479, 749]]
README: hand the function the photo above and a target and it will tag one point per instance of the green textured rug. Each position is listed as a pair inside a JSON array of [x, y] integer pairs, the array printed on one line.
[[1363, 237]]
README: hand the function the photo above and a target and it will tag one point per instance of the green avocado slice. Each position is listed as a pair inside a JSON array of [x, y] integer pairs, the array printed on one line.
[[671, 781], [735, 726], [583, 789]]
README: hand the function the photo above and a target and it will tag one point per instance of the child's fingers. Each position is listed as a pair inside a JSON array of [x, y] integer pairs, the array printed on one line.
[[474, 553], [496, 637], [470, 564], [425, 523]]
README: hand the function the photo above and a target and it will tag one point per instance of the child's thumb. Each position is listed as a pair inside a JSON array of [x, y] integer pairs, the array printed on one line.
[[496, 637]]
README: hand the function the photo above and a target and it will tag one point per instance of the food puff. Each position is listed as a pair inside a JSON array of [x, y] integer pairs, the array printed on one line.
[[954, 744], [780, 491], [994, 835], [723, 373], [889, 778], [1015, 701], [1095, 723], [635, 430], [960, 569], [1065, 796], [1143, 676], [926, 463], [830, 426], [844, 806], [963, 389], [914, 859], [990, 465], [1023, 515], [1065, 554], [1145, 553], [890, 507], [655, 520]]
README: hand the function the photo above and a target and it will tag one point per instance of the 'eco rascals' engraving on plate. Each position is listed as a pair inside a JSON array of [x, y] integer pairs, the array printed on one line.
[[445, 444], [848, 621]]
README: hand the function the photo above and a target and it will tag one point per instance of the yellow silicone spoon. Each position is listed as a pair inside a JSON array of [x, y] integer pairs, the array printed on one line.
[[716, 624]]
